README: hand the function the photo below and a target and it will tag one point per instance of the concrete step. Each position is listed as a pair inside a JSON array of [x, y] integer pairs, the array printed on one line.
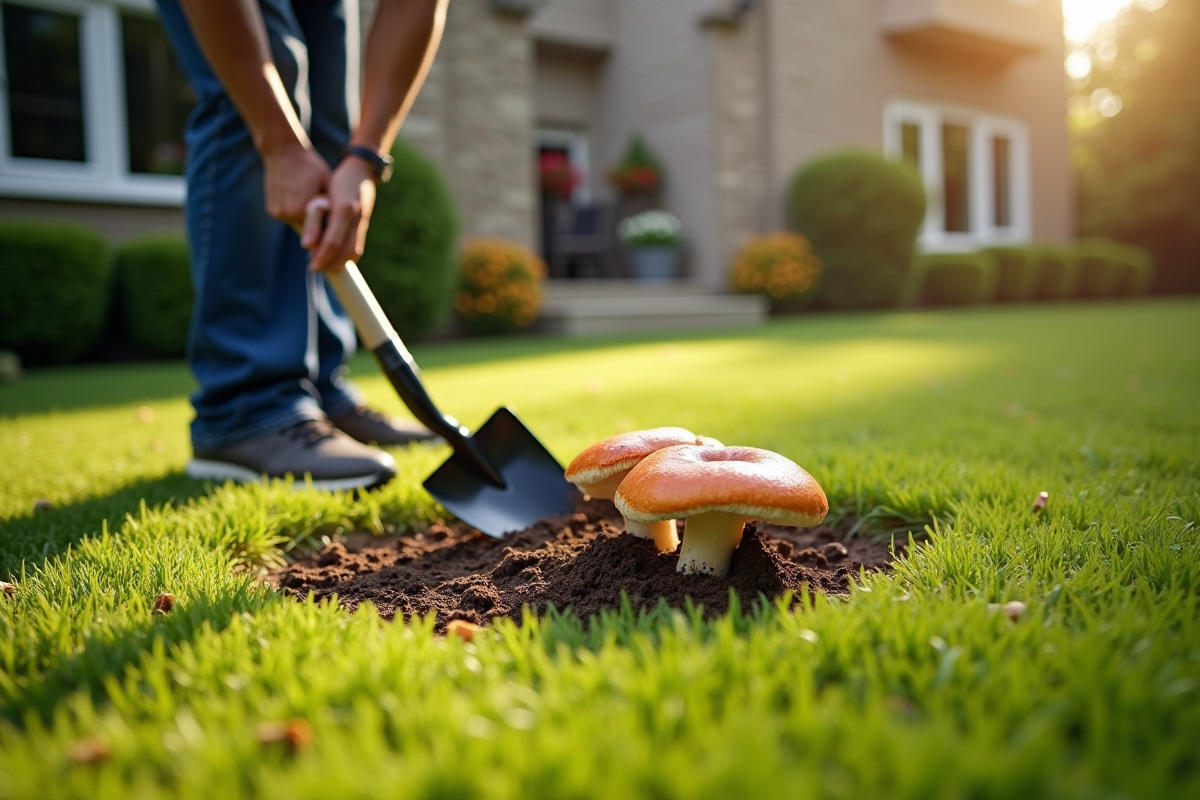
[[624, 306]]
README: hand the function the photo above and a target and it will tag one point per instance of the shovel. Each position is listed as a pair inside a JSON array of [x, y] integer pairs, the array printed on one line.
[[499, 478]]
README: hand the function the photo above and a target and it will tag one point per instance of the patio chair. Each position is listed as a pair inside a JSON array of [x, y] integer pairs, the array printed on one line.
[[583, 243]]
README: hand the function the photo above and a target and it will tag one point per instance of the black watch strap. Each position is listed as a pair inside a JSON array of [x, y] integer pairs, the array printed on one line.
[[381, 165]]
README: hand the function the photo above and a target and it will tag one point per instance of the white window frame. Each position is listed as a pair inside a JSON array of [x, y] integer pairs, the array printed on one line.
[[576, 143], [104, 177], [929, 118]]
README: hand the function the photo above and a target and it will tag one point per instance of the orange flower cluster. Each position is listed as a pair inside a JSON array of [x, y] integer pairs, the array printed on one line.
[[778, 264], [501, 285]]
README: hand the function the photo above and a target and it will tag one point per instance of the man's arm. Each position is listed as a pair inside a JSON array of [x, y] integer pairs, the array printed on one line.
[[233, 37], [400, 47]]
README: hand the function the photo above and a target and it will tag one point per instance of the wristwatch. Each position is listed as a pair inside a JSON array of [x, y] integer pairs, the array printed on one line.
[[381, 164]]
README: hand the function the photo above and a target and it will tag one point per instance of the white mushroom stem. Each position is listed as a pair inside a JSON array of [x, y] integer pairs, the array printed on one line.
[[663, 532], [709, 541]]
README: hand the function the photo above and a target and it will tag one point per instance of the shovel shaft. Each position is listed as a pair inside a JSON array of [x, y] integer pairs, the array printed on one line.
[[398, 364]]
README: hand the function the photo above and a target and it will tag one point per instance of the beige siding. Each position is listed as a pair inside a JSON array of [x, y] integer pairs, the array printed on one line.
[[116, 222], [658, 83], [586, 24], [832, 71], [566, 90]]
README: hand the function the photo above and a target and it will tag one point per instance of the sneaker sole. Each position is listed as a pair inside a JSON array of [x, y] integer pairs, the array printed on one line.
[[221, 471]]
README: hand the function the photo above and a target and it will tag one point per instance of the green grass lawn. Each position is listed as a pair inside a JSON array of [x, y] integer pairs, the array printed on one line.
[[910, 688]]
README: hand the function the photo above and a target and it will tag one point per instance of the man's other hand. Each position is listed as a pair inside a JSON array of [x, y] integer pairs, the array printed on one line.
[[351, 201], [294, 175]]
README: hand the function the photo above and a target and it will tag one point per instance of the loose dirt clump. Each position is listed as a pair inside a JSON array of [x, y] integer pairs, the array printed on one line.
[[583, 560]]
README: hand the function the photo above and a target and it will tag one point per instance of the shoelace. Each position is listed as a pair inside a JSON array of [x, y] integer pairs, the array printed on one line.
[[311, 432]]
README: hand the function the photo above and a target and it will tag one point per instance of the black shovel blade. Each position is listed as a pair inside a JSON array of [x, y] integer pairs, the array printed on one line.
[[534, 484]]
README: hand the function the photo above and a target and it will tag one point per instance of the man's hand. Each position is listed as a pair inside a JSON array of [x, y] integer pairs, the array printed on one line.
[[351, 201], [294, 175]]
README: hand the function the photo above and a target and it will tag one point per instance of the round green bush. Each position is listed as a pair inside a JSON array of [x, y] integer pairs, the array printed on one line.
[[862, 214], [409, 260], [155, 287], [54, 289]]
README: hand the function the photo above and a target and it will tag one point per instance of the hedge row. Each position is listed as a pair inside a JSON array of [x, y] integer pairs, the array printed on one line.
[[1092, 268], [60, 282]]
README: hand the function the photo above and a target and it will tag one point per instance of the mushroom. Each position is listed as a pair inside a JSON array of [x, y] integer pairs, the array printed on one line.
[[716, 489], [601, 467]]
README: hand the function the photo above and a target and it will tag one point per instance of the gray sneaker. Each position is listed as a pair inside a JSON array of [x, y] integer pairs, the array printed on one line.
[[333, 460], [370, 427]]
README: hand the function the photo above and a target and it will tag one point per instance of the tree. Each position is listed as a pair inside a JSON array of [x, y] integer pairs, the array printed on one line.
[[1135, 117]]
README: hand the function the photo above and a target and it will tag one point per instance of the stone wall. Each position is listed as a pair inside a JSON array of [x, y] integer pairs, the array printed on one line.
[[740, 115], [474, 117]]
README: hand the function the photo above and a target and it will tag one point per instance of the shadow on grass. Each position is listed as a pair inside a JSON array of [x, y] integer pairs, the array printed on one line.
[[32, 540], [103, 657]]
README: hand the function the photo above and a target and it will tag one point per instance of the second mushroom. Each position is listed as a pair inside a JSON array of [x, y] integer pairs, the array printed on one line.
[[601, 467]]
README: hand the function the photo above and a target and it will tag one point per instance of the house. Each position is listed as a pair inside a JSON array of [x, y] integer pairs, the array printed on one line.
[[732, 95]]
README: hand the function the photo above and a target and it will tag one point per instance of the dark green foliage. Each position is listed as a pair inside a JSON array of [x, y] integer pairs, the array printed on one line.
[[953, 279], [1110, 269], [54, 289], [409, 260], [862, 214], [1057, 269], [1139, 171], [155, 293], [1016, 274]]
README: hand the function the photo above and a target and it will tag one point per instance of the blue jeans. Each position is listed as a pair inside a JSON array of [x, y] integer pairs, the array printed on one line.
[[268, 339]]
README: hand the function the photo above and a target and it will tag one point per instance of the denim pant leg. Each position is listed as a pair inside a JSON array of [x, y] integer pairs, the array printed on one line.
[[253, 344], [330, 29]]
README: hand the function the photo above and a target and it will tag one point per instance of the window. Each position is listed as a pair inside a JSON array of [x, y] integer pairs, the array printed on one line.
[[94, 105], [976, 172]]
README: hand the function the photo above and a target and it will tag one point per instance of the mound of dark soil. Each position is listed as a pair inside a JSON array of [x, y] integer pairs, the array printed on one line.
[[582, 560]]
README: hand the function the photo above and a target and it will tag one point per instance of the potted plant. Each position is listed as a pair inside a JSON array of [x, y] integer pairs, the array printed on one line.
[[638, 172], [654, 238]]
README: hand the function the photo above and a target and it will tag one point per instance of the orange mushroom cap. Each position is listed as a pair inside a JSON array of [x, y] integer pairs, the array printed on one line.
[[609, 457], [686, 481]]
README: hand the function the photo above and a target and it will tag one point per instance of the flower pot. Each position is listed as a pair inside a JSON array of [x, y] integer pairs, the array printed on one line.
[[654, 262]]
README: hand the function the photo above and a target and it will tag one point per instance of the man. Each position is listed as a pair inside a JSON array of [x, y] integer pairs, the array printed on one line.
[[277, 124]]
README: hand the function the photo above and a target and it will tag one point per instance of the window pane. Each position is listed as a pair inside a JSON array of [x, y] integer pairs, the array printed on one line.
[[45, 86], [157, 98], [956, 159], [1001, 181], [910, 143]]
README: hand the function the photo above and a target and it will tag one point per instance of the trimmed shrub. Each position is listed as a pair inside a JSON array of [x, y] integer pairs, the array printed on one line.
[[501, 288], [409, 259], [1113, 269], [1016, 273], [955, 279], [862, 213], [1135, 269], [779, 265], [1099, 270], [1058, 272], [54, 289], [154, 286]]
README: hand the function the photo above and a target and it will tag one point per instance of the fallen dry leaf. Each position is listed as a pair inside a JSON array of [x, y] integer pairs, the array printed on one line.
[[8, 588], [164, 603], [462, 629], [90, 751], [296, 734]]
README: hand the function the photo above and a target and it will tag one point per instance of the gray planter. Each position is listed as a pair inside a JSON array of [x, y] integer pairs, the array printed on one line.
[[654, 262]]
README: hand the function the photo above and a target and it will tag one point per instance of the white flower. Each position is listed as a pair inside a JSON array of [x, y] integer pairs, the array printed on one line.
[[650, 227]]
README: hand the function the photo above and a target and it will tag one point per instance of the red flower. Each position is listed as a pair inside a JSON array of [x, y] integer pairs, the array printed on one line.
[[557, 174]]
